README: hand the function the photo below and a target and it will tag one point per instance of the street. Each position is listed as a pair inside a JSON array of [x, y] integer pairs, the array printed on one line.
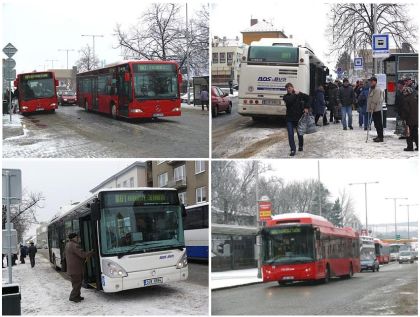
[[46, 291], [391, 291], [71, 132], [235, 136]]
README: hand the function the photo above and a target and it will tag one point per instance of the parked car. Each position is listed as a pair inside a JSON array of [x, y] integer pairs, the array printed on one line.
[[220, 101], [68, 97], [369, 263], [405, 256], [184, 98]]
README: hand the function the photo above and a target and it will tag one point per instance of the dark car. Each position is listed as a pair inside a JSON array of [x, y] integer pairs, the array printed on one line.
[[369, 263], [220, 101], [68, 97]]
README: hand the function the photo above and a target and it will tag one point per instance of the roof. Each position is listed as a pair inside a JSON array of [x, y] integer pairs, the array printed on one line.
[[125, 170], [233, 229], [135, 61], [262, 26]]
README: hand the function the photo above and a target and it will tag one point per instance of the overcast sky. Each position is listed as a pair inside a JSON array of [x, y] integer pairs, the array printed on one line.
[[397, 178], [305, 20], [38, 29]]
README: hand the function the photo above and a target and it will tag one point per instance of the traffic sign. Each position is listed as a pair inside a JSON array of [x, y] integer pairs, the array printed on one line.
[[9, 50], [10, 74], [264, 210], [12, 185], [358, 63], [10, 63], [380, 45]]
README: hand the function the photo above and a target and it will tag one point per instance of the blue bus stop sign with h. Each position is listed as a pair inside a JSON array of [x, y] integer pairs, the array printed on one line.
[[380, 42], [358, 63]]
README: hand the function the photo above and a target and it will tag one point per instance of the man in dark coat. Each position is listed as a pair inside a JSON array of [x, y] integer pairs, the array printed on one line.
[[318, 106], [410, 113], [75, 259], [31, 252], [345, 99], [296, 104], [335, 112], [23, 252]]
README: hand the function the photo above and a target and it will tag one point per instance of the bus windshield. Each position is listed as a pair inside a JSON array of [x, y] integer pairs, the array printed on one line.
[[37, 88], [155, 81], [273, 54], [367, 253], [140, 229], [288, 245]]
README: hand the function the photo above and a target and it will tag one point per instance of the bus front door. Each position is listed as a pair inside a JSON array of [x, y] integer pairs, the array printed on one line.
[[95, 101], [87, 236], [124, 89]]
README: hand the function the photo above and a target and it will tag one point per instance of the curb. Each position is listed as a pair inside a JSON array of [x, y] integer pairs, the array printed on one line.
[[235, 286]]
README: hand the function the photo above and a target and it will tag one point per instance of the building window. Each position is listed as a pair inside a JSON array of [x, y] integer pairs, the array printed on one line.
[[179, 173], [222, 58], [118, 185], [229, 58], [183, 198], [215, 58], [131, 181], [200, 195], [124, 183], [200, 166], [163, 180]]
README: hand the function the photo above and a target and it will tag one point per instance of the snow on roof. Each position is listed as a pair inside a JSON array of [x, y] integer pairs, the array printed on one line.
[[262, 26], [298, 215]]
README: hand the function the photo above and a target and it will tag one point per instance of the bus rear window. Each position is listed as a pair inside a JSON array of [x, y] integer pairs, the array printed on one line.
[[273, 54]]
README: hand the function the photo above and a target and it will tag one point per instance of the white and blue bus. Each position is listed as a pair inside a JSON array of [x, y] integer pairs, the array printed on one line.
[[196, 226], [137, 235]]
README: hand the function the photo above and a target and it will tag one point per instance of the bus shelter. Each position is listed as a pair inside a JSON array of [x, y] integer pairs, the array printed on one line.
[[199, 83]]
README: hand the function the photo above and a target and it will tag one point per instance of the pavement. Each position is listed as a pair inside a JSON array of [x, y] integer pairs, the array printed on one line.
[[12, 128], [229, 279]]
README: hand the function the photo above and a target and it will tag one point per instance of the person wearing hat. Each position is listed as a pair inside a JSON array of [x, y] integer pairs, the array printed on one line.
[[75, 259], [31, 252], [374, 107]]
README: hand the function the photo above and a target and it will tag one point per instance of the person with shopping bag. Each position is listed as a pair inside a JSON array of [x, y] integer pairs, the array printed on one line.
[[297, 103]]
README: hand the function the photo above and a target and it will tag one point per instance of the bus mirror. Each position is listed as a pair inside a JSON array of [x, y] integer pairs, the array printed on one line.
[[95, 210], [126, 76], [183, 211], [56, 83]]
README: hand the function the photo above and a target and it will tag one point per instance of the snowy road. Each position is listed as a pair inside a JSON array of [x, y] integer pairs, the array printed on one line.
[[45, 292], [234, 136]]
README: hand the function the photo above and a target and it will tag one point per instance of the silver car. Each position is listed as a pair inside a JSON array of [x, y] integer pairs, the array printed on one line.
[[405, 256]]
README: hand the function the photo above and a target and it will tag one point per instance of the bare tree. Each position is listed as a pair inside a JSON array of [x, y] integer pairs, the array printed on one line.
[[87, 61], [349, 218], [352, 25]]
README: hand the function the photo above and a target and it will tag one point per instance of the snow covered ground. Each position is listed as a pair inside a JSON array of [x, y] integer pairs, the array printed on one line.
[[234, 278], [46, 292]]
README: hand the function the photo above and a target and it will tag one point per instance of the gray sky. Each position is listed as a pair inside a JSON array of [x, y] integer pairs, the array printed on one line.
[[63, 181], [397, 178], [305, 20], [38, 29]]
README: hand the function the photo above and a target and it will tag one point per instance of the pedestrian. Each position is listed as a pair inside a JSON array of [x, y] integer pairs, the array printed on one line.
[[362, 106], [23, 252], [400, 126], [204, 97], [335, 111], [31, 252], [75, 259], [345, 100], [374, 107], [297, 103], [318, 106], [410, 113]]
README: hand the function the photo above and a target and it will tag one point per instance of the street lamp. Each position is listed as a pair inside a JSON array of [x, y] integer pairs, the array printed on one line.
[[365, 183], [395, 210], [93, 40], [408, 217], [66, 50], [52, 62]]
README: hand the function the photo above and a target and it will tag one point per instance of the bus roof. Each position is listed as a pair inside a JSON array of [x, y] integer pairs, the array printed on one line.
[[131, 61], [197, 205], [315, 220], [292, 42], [35, 72]]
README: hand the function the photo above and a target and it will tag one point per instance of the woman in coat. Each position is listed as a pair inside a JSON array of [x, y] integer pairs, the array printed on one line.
[[410, 113], [318, 106]]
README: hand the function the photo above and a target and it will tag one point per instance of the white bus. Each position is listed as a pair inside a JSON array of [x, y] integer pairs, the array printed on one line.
[[267, 66], [137, 235], [196, 226]]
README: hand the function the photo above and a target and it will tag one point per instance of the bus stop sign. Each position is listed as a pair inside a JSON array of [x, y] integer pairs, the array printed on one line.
[[9, 50]]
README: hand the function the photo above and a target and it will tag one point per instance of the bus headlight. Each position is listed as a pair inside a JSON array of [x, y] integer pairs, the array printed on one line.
[[182, 261], [112, 269], [176, 109], [24, 108], [53, 105]]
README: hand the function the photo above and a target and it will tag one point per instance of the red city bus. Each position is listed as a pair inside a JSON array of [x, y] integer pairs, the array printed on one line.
[[132, 89], [36, 92], [302, 246], [382, 251]]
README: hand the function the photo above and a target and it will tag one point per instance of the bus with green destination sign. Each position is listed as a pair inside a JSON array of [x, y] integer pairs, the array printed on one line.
[[132, 89], [137, 235], [307, 247], [36, 92]]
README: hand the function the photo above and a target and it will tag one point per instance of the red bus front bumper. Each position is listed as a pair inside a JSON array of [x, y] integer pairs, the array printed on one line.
[[289, 272], [37, 105]]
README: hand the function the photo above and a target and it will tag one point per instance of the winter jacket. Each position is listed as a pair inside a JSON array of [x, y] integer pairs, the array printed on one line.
[[410, 109], [31, 251], [362, 99], [23, 250], [332, 96], [75, 258], [374, 102], [318, 104], [345, 96], [295, 105]]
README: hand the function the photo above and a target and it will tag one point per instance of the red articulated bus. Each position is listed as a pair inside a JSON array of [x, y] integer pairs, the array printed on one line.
[[132, 89], [382, 251], [303, 247], [36, 92]]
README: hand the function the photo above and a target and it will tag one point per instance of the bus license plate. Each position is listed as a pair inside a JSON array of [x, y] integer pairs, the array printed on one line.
[[153, 281], [288, 278], [39, 109], [158, 115]]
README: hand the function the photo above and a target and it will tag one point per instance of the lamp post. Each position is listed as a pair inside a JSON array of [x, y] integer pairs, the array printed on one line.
[[408, 218], [395, 210], [93, 42], [67, 50], [366, 208], [52, 62], [259, 275]]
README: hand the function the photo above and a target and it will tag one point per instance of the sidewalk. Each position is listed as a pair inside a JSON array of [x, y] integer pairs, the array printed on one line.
[[190, 106], [13, 128], [227, 279]]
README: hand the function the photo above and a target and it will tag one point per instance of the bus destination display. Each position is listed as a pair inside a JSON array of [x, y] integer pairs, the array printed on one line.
[[36, 76], [286, 230], [140, 198], [153, 68]]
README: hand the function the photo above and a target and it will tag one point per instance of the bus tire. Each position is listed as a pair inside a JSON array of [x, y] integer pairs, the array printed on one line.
[[114, 113], [350, 272], [327, 274]]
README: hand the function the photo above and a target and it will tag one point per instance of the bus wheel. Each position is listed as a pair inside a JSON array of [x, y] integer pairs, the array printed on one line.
[[86, 106], [327, 275], [350, 271], [114, 111]]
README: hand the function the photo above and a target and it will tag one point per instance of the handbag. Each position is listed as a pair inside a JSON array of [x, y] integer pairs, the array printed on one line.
[[306, 124]]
